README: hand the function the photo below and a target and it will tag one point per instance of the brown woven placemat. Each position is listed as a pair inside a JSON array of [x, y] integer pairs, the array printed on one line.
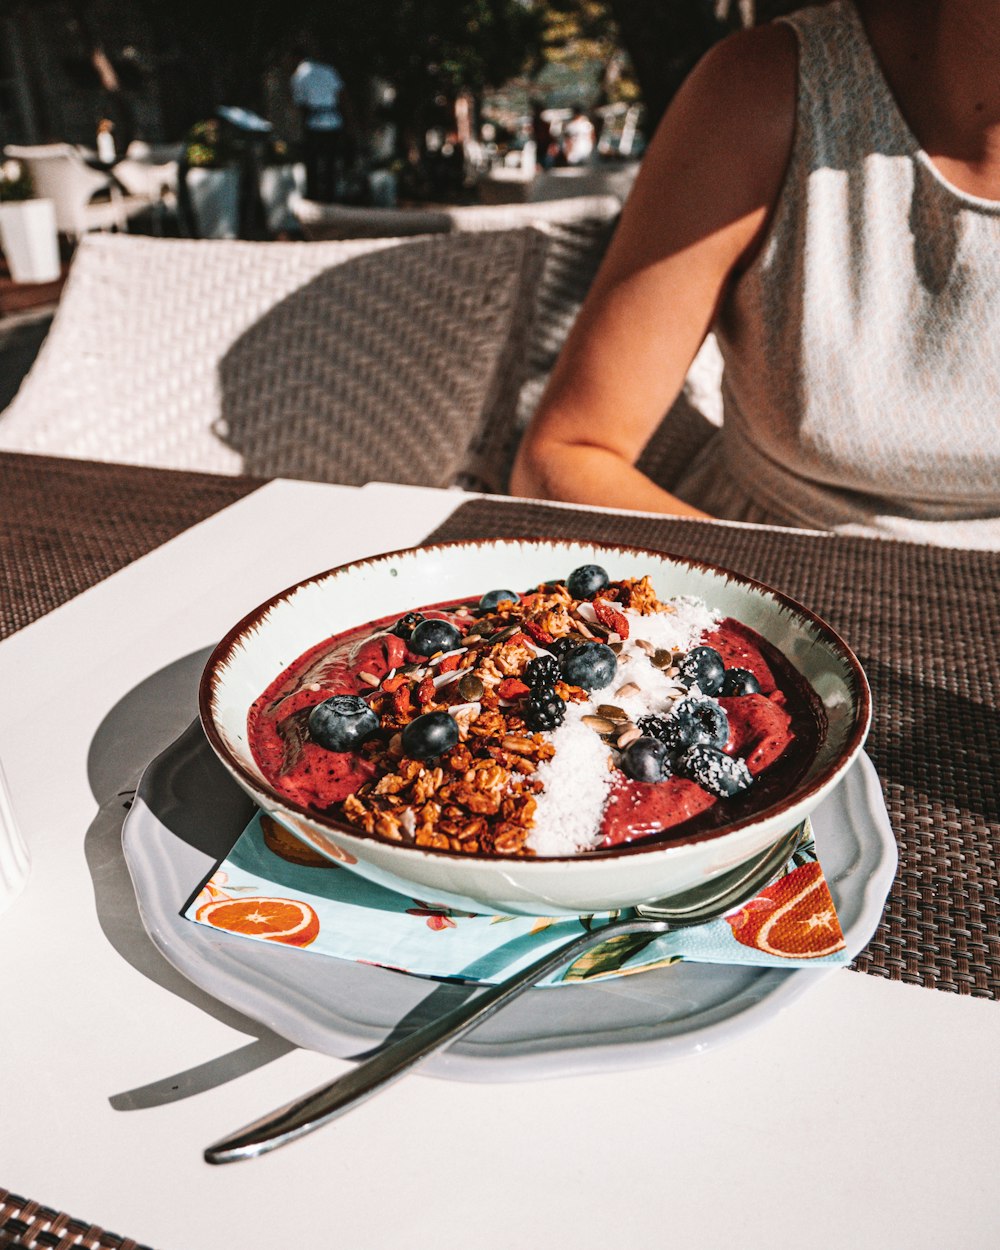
[[923, 622], [67, 524], [27, 1225]]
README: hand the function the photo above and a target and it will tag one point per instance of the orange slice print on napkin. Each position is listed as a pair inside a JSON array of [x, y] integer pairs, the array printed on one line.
[[794, 918], [285, 920]]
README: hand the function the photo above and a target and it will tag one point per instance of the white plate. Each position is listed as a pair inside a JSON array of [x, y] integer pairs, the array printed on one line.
[[188, 812]]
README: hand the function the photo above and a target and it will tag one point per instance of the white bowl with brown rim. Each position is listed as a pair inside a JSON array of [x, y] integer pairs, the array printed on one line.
[[275, 634]]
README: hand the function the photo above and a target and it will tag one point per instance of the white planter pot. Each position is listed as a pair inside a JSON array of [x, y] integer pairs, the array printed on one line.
[[215, 200], [29, 240], [279, 185]]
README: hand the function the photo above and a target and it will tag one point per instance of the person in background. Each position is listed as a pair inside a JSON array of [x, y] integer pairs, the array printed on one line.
[[317, 91], [541, 131], [578, 138], [824, 195]]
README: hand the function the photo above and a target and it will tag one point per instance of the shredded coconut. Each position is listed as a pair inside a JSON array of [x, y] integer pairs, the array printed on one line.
[[576, 782], [577, 778], [679, 630]]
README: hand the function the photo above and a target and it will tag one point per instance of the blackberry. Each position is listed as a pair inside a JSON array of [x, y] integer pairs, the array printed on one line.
[[542, 673], [722, 775], [405, 626], [561, 646], [544, 710], [655, 727]]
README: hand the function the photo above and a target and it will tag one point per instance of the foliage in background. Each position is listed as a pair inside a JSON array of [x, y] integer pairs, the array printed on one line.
[[666, 38], [578, 33]]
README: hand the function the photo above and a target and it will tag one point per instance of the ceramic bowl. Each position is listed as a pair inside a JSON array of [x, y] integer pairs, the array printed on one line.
[[266, 641]]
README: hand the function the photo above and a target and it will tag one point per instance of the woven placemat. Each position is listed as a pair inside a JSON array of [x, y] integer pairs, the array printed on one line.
[[923, 622], [27, 1225], [67, 524]]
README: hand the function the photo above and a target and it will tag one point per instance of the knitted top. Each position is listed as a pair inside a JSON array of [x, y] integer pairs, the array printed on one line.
[[862, 346]]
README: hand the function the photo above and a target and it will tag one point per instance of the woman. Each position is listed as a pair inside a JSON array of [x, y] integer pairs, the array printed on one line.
[[824, 193]]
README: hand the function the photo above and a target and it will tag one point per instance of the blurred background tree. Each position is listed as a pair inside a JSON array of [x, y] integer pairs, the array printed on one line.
[[158, 66]]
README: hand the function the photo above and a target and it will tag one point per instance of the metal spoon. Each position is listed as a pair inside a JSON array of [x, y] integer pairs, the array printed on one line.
[[681, 911]]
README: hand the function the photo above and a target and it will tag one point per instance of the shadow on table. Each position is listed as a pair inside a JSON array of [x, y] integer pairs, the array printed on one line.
[[150, 718], [137, 729]]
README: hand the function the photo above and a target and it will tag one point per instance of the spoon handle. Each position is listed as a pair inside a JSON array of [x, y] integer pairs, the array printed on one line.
[[317, 1108]]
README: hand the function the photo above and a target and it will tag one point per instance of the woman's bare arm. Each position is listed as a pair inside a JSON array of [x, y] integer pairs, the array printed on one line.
[[696, 213]]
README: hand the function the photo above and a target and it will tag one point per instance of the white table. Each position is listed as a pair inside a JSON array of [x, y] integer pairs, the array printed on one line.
[[868, 1111]]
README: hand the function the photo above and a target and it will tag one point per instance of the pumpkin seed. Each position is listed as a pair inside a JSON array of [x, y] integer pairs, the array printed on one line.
[[599, 724], [471, 688], [612, 713]]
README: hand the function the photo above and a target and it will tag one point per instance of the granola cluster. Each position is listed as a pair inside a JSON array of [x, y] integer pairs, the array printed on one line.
[[480, 795]]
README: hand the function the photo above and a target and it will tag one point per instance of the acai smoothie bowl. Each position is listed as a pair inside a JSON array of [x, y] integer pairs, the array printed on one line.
[[536, 727]]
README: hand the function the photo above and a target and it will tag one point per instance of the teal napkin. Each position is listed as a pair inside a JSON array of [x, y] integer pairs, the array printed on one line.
[[260, 892]]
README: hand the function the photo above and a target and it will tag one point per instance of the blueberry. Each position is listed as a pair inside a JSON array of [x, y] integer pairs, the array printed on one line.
[[429, 736], [591, 665], [544, 710], [563, 646], [342, 723], [405, 626], [586, 581], [696, 722], [493, 598], [432, 636], [542, 672], [739, 681], [702, 667], [720, 774], [645, 759]]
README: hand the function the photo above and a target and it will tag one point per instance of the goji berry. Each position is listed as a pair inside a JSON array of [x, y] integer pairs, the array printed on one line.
[[540, 635], [511, 688], [611, 617]]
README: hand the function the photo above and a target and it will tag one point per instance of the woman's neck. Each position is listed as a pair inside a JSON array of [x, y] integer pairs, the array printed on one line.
[[941, 60]]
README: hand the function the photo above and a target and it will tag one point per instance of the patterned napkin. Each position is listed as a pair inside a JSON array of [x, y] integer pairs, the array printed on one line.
[[272, 888]]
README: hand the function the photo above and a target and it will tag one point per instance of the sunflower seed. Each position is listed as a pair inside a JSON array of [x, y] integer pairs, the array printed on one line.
[[599, 724], [630, 735], [369, 678], [645, 646], [629, 688]]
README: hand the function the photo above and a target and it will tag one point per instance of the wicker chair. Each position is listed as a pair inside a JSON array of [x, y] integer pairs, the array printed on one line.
[[343, 362], [60, 174], [341, 221], [340, 361]]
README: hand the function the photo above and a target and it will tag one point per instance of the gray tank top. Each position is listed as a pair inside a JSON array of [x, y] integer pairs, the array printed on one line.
[[862, 347]]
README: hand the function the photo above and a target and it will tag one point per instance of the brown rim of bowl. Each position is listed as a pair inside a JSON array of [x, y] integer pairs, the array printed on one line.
[[860, 692]]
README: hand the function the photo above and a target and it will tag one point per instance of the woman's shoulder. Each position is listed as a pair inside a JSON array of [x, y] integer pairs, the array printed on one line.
[[748, 81], [731, 126]]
